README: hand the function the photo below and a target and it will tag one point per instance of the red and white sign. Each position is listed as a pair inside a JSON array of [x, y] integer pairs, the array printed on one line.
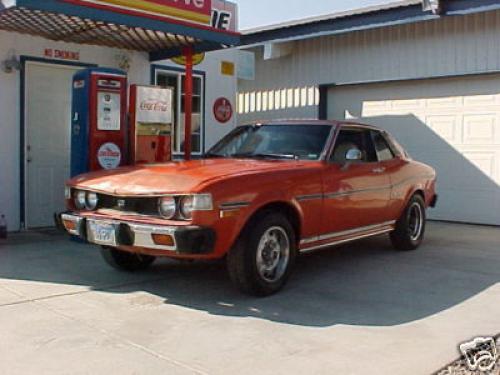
[[61, 54], [198, 11], [223, 110], [154, 105], [109, 156], [224, 15]]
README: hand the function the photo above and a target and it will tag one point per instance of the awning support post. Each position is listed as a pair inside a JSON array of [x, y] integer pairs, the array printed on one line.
[[188, 102]]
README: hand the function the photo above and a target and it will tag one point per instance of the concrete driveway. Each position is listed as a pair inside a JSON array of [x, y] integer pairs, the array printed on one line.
[[358, 309]]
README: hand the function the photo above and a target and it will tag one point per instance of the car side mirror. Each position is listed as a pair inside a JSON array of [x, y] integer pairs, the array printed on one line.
[[351, 156]]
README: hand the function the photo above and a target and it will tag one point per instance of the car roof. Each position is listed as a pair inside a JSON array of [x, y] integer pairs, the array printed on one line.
[[310, 122]]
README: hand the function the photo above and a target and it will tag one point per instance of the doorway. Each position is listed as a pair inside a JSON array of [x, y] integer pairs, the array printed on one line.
[[47, 118]]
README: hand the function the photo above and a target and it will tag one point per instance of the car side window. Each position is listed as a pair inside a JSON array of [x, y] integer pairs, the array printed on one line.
[[383, 149], [354, 138]]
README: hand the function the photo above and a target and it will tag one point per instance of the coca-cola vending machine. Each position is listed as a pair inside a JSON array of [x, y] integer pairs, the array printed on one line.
[[151, 124], [99, 135]]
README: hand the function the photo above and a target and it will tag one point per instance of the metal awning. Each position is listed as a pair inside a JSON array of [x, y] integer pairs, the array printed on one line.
[[76, 22]]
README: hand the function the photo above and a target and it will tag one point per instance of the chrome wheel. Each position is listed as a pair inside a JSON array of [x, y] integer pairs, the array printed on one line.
[[415, 221], [273, 254]]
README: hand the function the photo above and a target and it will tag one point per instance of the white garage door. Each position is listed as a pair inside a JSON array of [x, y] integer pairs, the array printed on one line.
[[452, 124]]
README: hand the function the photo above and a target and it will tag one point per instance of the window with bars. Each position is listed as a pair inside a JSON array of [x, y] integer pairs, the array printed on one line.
[[279, 99], [176, 80]]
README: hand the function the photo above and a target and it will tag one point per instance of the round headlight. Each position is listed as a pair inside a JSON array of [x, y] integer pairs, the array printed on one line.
[[80, 199], [91, 201], [167, 207], [186, 207]]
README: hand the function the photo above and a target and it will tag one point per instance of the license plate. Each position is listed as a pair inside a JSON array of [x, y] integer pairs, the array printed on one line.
[[101, 233]]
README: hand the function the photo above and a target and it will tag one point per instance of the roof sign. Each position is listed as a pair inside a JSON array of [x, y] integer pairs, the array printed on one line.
[[198, 11]]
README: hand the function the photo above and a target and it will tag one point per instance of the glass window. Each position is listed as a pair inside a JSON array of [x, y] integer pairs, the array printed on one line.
[[305, 142], [177, 80], [354, 138], [384, 152]]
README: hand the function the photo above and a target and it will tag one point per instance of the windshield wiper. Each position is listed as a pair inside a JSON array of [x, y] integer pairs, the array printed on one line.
[[266, 156]]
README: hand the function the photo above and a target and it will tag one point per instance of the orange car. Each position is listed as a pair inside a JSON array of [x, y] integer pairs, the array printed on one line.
[[262, 195]]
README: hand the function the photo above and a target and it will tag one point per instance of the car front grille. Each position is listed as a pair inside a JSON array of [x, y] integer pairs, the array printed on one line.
[[140, 206]]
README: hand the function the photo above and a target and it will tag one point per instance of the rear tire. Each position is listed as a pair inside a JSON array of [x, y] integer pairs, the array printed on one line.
[[410, 228], [124, 261], [261, 261]]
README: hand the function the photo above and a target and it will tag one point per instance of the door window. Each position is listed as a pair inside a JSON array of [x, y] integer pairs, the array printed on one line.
[[354, 138]]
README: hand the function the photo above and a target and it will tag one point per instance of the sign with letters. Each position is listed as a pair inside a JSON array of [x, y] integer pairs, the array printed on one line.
[[198, 11], [154, 105]]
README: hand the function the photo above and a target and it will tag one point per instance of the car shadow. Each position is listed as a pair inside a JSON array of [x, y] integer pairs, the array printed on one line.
[[361, 284]]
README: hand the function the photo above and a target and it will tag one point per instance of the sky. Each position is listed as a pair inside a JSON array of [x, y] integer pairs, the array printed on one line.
[[254, 13]]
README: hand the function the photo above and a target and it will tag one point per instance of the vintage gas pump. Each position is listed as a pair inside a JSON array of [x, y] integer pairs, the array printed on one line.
[[151, 122], [99, 137]]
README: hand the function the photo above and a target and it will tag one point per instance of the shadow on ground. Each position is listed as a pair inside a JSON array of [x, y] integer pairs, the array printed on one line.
[[367, 283]]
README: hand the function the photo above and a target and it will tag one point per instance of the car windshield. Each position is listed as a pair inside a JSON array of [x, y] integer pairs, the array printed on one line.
[[303, 142]]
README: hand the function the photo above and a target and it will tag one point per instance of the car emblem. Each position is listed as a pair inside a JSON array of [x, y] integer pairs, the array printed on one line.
[[121, 203]]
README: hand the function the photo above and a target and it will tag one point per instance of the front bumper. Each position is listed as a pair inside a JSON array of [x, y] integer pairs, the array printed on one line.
[[191, 240]]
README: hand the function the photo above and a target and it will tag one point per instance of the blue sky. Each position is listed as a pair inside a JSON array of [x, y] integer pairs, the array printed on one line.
[[255, 13]]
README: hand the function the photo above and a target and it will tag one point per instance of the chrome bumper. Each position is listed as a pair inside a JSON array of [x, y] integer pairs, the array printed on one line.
[[186, 240]]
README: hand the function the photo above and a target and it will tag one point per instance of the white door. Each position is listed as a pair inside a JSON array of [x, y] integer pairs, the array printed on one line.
[[452, 124], [48, 115]]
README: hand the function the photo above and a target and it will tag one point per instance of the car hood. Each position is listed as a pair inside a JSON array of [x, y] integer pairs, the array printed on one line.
[[175, 177]]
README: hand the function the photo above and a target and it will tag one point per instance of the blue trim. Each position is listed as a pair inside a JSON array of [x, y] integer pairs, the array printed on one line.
[[368, 20], [22, 122], [55, 6], [155, 67]]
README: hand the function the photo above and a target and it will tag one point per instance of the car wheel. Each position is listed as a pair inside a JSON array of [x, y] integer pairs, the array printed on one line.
[[124, 261], [410, 228], [262, 259]]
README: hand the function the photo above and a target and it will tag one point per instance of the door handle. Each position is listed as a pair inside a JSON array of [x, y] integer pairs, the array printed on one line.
[[379, 170]]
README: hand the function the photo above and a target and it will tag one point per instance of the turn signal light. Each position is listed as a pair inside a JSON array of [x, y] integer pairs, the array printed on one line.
[[163, 239], [69, 225], [229, 213]]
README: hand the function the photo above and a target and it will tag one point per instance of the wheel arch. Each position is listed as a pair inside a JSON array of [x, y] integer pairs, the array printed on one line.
[[289, 210]]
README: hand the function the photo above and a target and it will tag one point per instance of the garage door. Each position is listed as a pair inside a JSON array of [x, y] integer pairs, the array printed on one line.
[[452, 124]]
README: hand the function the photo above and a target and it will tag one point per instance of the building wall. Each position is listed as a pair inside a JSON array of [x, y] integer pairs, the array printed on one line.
[[216, 86], [450, 46]]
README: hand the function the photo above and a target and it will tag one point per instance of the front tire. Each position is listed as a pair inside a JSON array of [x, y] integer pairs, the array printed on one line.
[[410, 228], [124, 261], [262, 259]]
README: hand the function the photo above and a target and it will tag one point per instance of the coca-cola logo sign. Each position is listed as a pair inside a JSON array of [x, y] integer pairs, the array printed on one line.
[[223, 110], [154, 105]]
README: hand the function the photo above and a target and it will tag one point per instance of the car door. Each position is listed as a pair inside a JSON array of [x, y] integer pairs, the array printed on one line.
[[356, 193]]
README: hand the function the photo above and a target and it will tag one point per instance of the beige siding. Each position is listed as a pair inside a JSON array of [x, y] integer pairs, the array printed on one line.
[[446, 47]]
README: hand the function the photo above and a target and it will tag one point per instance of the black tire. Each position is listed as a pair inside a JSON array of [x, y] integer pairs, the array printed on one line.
[[410, 228], [242, 260], [124, 261]]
